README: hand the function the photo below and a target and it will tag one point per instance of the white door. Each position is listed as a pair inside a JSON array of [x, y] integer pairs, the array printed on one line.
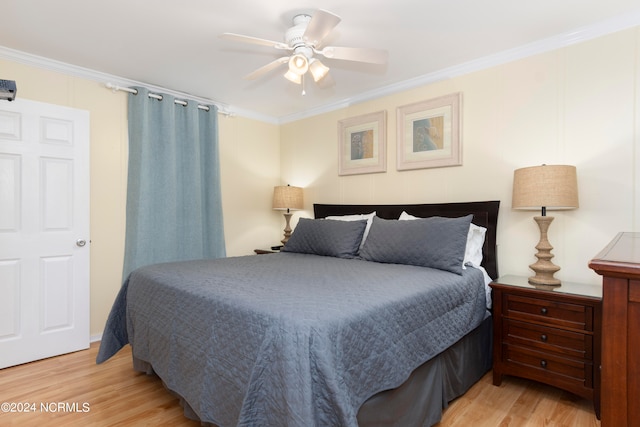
[[44, 231]]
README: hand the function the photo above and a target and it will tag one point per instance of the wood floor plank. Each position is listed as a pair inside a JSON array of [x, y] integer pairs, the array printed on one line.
[[116, 395], [518, 403]]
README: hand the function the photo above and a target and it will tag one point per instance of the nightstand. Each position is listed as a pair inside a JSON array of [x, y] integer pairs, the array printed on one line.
[[551, 335], [265, 251]]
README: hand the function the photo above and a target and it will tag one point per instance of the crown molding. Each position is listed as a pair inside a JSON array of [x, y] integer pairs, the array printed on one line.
[[104, 78], [541, 46], [552, 43]]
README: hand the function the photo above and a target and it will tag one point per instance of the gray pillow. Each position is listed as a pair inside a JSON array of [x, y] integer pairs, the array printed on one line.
[[326, 237], [435, 242]]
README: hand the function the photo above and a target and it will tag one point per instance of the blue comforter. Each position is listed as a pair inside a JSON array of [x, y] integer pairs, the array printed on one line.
[[289, 339]]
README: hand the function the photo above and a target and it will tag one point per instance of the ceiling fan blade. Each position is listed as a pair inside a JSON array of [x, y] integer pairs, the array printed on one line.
[[373, 56], [266, 68], [253, 40], [321, 24]]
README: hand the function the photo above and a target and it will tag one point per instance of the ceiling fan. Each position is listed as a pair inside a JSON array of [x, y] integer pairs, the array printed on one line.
[[303, 41]]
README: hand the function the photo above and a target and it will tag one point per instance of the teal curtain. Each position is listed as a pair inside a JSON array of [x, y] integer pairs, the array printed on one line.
[[174, 207]]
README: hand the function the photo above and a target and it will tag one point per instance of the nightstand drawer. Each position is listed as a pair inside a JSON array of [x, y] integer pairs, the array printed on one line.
[[544, 338], [556, 369], [548, 312]]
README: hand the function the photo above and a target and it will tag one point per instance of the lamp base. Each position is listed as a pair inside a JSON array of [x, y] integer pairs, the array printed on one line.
[[287, 228], [544, 268]]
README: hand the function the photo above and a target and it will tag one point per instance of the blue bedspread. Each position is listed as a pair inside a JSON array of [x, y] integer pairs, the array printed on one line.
[[289, 339]]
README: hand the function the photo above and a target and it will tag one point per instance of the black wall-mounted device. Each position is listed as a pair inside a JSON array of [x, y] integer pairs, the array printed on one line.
[[8, 89]]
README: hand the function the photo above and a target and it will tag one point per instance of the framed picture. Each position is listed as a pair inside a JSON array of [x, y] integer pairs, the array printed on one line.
[[362, 144], [429, 133]]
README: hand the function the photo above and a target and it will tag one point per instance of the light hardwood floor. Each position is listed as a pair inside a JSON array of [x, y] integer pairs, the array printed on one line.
[[112, 394]]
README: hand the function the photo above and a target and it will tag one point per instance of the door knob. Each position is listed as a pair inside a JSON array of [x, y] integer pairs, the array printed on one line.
[[81, 242]]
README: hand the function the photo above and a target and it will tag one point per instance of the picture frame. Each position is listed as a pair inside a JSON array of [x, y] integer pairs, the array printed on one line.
[[429, 133], [362, 144]]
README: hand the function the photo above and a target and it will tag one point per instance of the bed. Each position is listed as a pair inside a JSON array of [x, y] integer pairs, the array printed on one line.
[[329, 332]]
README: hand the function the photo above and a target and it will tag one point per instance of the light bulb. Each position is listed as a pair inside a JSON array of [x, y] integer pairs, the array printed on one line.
[[293, 77], [318, 70], [298, 64]]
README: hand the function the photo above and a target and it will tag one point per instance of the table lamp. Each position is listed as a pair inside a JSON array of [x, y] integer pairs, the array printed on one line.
[[286, 197], [545, 187]]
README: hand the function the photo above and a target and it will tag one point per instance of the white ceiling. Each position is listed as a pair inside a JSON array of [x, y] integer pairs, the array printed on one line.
[[175, 45]]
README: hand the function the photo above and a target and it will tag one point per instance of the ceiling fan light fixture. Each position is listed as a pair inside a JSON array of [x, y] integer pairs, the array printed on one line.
[[318, 70], [293, 77], [298, 64]]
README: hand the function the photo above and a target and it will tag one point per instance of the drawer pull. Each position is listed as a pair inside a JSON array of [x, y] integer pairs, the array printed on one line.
[[543, 363], [543, 338], [543, 310]]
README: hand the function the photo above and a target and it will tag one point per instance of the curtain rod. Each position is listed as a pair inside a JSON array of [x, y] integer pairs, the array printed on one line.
[[115, 88]]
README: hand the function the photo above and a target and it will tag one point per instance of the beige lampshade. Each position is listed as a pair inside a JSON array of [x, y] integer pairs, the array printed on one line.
[[549, 186], [286, 197]]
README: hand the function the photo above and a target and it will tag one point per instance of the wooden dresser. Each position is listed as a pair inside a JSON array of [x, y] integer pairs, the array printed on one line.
[[619, 264], [548, 335]]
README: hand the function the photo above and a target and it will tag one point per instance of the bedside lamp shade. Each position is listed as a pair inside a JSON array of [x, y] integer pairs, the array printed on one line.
[[545, 187], [286, 197]]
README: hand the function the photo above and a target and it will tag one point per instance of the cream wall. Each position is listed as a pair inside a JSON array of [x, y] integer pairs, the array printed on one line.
[[249, 152], [577, 105], [250, 164]]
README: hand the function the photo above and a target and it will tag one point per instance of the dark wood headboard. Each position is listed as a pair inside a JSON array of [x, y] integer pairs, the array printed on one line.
[[485, 214]]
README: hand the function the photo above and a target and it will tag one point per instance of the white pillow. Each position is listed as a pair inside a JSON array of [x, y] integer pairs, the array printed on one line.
[[405, 216], [357, 217], [475, 241]]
